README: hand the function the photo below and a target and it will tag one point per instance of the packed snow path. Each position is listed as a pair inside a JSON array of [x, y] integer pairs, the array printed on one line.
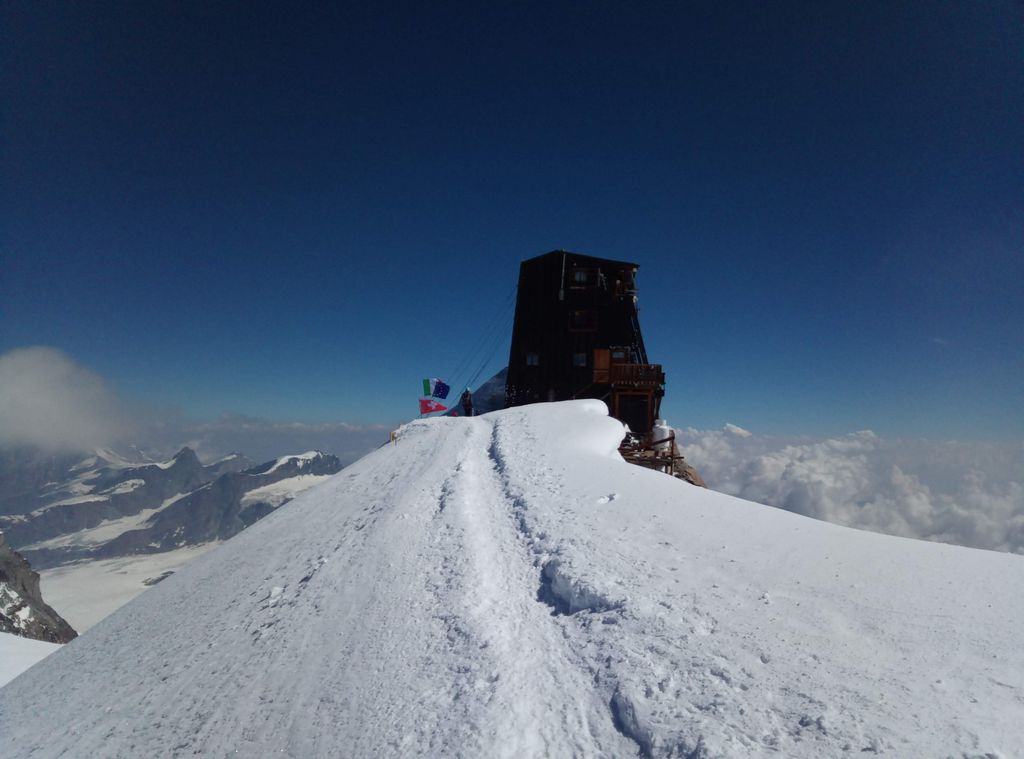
[[507, 586]]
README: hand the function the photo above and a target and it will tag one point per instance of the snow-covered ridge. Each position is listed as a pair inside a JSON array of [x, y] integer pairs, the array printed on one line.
[[301, 460], [106, 530], [124, 487], [71, 502], [505, 585], [222, 459], [102, 511], [183, 453], [82, 488], [103, 483], [278, 493]]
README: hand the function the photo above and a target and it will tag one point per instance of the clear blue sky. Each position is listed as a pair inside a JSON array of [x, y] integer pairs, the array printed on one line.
[[298, 212]]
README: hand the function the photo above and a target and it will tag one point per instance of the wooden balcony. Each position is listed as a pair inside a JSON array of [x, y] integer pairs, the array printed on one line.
[[612, 367], [633, 375], [637, 375]]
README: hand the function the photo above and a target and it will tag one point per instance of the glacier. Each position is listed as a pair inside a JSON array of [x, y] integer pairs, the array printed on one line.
[[507, 586]]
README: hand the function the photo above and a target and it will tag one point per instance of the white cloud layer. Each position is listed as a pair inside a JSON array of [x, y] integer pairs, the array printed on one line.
[[262, 439], [965, 493], [49, 401], [954, 492]]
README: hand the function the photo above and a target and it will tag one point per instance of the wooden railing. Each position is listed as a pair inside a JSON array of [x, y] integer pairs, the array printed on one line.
[[654, 454], [638, 375]]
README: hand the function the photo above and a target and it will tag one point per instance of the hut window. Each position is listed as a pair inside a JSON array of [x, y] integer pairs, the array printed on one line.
[[582, 278], [579, 359], [532, 359]]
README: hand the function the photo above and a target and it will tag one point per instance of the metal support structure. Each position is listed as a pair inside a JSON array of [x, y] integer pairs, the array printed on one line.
[[637, 449]]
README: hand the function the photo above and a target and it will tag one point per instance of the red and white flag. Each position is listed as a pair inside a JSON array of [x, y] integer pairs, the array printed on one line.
[[429, 406]]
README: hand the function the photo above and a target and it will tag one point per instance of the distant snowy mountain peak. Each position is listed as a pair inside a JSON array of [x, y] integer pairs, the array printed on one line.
[[224, 459], [298, 462], [185, 457], [104, 511], [115, 460], [233, 462], [506, 585]]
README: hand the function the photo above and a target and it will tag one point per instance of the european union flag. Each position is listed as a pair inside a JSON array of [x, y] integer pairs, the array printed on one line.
[[436, 388]]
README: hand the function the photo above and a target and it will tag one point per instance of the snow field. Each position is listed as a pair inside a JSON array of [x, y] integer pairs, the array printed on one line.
[[505, 585], [277, 493], [86, 592], [740, 631], [108, 529], [18, 654], [301, 460]]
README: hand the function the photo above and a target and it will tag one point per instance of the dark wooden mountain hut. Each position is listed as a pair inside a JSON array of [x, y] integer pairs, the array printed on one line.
[[576, 335]]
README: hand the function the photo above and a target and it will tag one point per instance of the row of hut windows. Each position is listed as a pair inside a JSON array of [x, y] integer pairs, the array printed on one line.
[[625, 283], [578, 359]]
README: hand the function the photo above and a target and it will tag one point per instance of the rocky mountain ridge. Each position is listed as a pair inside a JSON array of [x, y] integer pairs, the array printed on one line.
[[22, 609], [107, 506]]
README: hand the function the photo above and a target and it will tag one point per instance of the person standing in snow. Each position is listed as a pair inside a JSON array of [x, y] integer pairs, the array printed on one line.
[[467, 402]]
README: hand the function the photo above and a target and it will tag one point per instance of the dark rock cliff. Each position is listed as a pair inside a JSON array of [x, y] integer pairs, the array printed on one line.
[[22, 609]]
